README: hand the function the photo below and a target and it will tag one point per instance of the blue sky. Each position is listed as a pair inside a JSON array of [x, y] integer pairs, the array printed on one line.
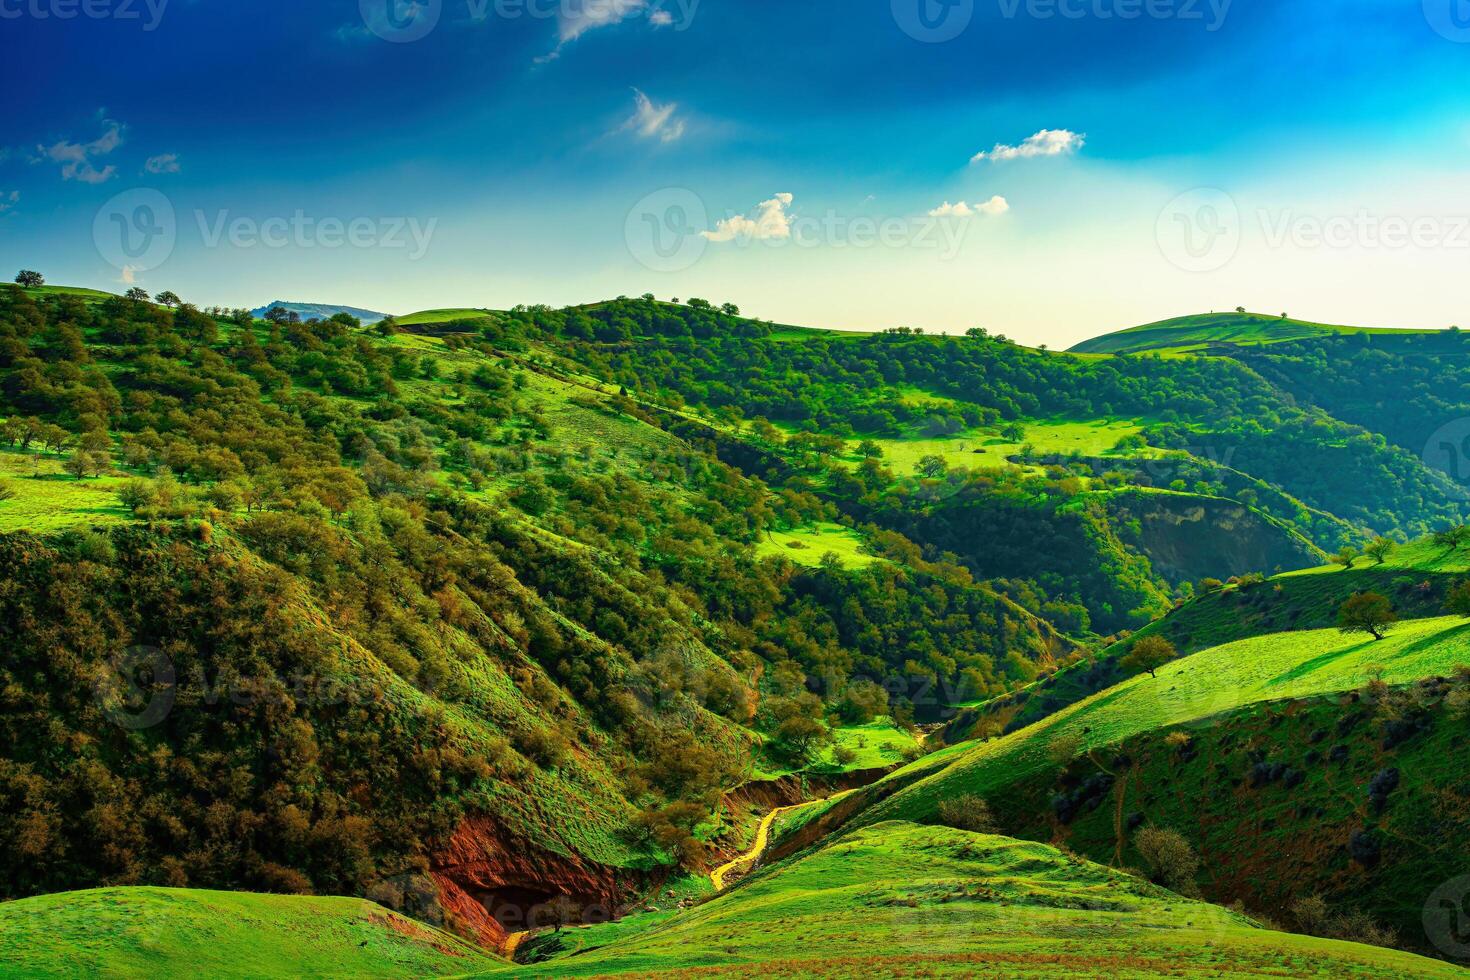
[[1119, 161]]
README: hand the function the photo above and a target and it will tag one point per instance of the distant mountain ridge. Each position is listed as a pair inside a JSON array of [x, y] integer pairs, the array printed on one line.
[[1192, 334], [322, 311]]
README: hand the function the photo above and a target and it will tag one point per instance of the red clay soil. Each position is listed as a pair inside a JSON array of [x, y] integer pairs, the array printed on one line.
[[490, 882]]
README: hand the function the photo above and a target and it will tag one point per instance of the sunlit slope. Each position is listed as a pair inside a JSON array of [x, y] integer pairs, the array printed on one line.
[[1265, 668], [1201, 330], [163, 932], [899, 899]]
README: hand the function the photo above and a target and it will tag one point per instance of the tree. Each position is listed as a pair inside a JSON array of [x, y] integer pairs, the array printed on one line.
[[30, 277], [933, 467], [1346, 557], [137, 293], [868, 449], [1171, 861], [1452, 538], [168, 298], [1240, 309], [1148, 654], [1379, 549], [78, 464], [1366, 612], [968, 812]]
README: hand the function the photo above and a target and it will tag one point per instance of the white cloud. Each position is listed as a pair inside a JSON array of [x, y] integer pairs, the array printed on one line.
[[650, 120], [771, 221], [580, 16], [129, 275], [8, 201], [164, 163], [76, 158], [1047, 143], [996, 205], [661, 18]]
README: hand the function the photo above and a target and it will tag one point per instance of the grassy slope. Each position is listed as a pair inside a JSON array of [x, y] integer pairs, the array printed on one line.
[[1193, 332], [981, 449], [904, 900], [441, 316], [153, 932], [1266, 668]]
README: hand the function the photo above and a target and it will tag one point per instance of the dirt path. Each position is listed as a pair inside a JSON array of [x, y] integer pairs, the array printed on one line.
[[512, 943], [762, 835]]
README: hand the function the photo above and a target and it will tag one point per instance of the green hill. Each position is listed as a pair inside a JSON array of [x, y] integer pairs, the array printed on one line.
[[152, 932], [897, 899], [1201, 332]]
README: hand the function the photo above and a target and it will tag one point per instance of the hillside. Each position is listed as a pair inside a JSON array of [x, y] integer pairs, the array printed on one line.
[[150, 932], [321, 311], [1204, 332]]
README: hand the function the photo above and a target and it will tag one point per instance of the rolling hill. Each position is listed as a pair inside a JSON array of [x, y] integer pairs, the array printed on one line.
[[1203, 333], [321, 311]]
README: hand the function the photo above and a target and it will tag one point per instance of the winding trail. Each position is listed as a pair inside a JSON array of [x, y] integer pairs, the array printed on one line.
[[762, 835]]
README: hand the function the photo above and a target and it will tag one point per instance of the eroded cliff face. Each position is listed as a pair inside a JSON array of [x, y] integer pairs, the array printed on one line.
[[491, 884], [1187, 538]]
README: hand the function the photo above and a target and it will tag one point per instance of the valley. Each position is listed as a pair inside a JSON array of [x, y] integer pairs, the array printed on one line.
[[644, 637]]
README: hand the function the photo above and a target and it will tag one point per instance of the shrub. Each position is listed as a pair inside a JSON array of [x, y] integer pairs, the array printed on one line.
[[968, 812], [1171, 861]]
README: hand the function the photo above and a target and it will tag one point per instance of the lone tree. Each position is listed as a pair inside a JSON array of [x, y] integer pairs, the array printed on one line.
[[1366, 612], [167, 298], [137, 293], [1149, 654], [1453, 538], [30, 277], [1379, 549], [1346, 557]]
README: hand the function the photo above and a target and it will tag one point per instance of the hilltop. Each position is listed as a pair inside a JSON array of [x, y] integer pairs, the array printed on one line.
[[321, 311], [1209, 332]]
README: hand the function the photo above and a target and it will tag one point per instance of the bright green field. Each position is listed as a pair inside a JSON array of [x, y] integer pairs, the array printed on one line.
[[164, 932], [39, 291], [442, 316], [980, 450], [1191, 332], [56, 500], [1420, 556], [806, 546], [899, 899], [1263, 668], [877, 744]]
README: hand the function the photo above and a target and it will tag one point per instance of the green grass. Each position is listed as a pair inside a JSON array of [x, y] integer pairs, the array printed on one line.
[[806, 546], [1221, 679], [161, 932], [1191, 333], [442, 316], [876, 745], [899, 899], [90, 294], [979, 449], [56, 500]]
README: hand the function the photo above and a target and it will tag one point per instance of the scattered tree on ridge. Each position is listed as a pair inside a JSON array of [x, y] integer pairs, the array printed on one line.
[[1366, 612], [1453, 538], [137, 293], [1379, 549], [1346, 557], [30, 277], [1149, 654], [168, 298]]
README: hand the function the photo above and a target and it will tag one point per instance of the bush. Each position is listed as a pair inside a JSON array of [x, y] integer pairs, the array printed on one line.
[[968, 812], [1171, 861]]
